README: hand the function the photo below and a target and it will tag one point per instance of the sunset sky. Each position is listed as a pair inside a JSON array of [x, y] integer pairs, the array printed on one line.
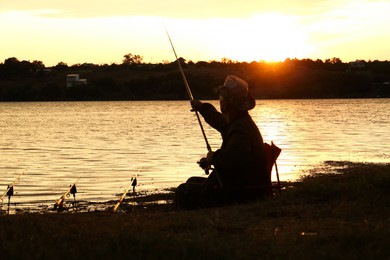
[[102, 31]]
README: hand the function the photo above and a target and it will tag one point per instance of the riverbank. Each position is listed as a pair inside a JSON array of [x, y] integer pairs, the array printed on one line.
[[339, 213]]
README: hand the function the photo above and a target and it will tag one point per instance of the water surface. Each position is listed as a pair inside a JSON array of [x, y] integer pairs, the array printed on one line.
[[107, 143]]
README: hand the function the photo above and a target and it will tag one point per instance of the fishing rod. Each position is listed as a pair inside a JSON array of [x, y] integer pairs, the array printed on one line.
[[10, 189], [133, 183], [189, 92], [122, 197], [59, 204]]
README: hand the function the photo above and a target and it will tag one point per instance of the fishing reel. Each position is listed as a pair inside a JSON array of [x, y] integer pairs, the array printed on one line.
[[205, 165], [59, 204]]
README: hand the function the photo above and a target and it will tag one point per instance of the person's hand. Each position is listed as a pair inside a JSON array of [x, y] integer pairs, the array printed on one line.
[[206, 162], [196, 104], [203, 163]]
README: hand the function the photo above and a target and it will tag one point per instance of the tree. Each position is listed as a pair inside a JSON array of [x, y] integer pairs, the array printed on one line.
[[38, 67], [15, 68], [130, 59], [61, 66], [334, 60], [226, 61], [38, 64], [10, 62]]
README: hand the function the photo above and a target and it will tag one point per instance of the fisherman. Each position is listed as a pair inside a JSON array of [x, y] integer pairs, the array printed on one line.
[[239, 172]]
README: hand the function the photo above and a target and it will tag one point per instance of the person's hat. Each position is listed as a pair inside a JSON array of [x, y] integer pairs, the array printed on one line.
[[236, 90]]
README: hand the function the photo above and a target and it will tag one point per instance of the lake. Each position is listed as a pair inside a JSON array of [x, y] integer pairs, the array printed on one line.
[[107, 143]]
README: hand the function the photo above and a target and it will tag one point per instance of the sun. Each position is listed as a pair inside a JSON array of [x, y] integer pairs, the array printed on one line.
[[267, 37]]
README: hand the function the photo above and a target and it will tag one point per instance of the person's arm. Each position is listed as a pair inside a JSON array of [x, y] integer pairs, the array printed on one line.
[[214, 118]]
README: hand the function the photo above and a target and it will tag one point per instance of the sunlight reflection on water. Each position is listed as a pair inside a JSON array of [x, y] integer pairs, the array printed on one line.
[[106, 143]]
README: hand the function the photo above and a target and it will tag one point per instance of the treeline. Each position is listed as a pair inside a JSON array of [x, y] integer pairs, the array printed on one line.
[[293, 78]]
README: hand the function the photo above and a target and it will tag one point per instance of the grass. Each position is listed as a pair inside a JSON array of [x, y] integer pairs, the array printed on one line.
[[338, 213]]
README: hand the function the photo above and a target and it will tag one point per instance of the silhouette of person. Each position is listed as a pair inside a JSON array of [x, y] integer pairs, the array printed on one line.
[[239, 172]]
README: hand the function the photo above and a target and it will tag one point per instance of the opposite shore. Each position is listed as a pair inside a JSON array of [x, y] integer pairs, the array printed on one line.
[[293, 78]]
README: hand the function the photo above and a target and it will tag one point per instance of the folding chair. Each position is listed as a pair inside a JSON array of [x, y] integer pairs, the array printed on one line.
[[272, 154]]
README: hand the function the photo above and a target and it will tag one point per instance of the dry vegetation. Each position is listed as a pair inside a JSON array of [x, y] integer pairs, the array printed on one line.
[[343, 214]]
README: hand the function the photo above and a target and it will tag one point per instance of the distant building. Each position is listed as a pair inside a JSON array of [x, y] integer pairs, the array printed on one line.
[[74, 80]]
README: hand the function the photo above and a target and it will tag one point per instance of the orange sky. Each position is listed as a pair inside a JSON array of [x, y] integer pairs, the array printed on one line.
[[102, 31]]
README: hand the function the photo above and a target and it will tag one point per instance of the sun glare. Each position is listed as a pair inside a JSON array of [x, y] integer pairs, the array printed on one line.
[[268, 37]]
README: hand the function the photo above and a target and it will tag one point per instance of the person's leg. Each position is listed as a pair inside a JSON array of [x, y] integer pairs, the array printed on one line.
[[211, 191], [198, 192], [199, 180], [187, 195]]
